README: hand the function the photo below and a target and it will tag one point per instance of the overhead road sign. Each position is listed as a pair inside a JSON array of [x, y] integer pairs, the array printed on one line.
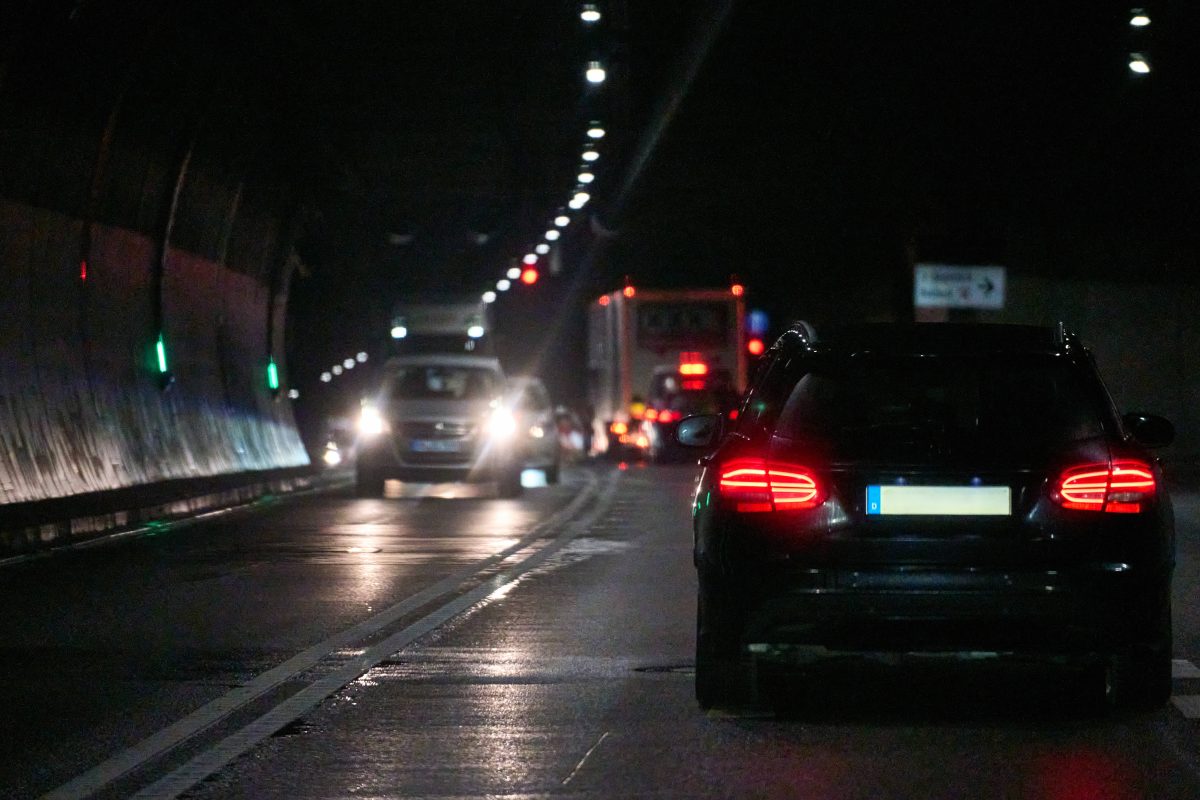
[[953, 286]]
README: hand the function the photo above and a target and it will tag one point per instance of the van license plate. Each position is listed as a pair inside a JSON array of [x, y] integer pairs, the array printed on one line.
[[436, 445]]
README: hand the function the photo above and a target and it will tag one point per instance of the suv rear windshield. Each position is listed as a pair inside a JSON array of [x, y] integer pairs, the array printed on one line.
[[909, 407], [441, 382]]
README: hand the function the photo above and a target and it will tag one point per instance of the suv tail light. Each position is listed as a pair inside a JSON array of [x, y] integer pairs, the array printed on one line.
[[1119, 488], [754, 484]]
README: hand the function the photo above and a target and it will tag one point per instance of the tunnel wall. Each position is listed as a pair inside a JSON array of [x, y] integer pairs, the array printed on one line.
[[83, 406], [143, 192], [1146, 339]]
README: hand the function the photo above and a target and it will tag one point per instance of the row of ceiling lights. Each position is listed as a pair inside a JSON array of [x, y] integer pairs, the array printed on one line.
[[527, 273]]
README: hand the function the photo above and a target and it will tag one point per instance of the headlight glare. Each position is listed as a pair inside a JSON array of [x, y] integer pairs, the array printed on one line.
[[371, 422]]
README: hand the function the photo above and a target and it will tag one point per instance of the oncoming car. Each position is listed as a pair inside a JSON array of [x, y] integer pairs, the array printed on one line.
[[438, 418], [953, 490]]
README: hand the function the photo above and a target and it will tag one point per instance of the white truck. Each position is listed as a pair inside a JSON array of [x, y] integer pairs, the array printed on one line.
[[441, 324], [637, 339]]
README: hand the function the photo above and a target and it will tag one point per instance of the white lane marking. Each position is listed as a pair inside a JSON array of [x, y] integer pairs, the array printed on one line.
[[1188, 705], [1184, 669], [91, 781], [586, 756], [210, 761]]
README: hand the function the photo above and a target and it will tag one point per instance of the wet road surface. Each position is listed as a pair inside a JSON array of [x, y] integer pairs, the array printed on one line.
[[506, 648]]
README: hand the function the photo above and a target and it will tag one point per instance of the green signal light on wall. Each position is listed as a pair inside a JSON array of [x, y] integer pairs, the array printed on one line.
[[272, 375], [161, 350]]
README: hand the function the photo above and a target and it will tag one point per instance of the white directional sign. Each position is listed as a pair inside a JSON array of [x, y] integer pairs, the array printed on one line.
[[951, 286]]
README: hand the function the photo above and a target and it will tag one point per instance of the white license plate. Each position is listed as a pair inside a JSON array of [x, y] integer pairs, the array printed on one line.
[[940, 500], [436, 445]]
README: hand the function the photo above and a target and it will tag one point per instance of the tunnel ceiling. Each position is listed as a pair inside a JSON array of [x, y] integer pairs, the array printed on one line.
[[425, 145]]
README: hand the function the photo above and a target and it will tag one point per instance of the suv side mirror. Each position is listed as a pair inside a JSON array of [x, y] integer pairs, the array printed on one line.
[[699, 431], [1150, 429]]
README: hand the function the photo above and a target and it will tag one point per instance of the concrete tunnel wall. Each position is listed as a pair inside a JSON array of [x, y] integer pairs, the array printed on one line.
[[119, 222]]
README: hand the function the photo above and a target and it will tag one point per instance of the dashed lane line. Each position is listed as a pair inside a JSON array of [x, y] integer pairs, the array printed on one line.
[[203, 718], [1188, 704], [218, 756]]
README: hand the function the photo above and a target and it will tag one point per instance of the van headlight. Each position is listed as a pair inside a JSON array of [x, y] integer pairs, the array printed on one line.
[[371, 422], [500, 424]]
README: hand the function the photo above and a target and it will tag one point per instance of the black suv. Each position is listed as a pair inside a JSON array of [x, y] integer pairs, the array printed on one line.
[[938, 489]]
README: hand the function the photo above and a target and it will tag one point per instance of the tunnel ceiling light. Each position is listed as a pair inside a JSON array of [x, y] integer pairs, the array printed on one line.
[[595, 131], [337, 369], [595, 72], [530, 258], [326, 377], [1139, 64], [361, 357], [399, 332], [349, 363], [488, 297], [591, 155], [552, 235], [503, 285], [542, 249], [513, 273], [562, 220], [1139, 18], [293, 394], [585, 177], [579, 200], [589, 13]]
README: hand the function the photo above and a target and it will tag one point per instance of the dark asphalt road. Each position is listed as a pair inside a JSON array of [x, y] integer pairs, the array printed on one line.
[[283, 649]]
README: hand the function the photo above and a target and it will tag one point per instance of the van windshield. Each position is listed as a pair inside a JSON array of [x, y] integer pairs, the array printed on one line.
[[439, 381]]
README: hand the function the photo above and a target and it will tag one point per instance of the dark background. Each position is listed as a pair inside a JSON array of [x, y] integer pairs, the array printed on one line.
[[815, 150]]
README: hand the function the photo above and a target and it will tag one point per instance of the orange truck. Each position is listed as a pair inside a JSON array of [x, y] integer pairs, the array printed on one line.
[[640, 340]]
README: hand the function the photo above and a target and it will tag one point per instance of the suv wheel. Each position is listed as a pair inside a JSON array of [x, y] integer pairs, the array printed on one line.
[[367, 483], [1140, 679], [719, 680]]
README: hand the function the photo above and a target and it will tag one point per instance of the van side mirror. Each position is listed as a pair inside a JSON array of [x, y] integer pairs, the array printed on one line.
[[701, 430], [1150, 430]]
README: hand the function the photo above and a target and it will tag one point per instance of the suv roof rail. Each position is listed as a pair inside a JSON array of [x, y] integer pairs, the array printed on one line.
[[805, 330]]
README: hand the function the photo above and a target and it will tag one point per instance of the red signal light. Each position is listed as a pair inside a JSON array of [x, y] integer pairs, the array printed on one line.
[[756, 485], [604, 300], [737, 290], [666, 415], [629, 291], [1118, 488], [529, 276], [756, 347]]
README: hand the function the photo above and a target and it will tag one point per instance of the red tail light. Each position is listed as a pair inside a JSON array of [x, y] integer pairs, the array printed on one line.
[[667, 415], [1118, 488], [651, 414], [757, 485]]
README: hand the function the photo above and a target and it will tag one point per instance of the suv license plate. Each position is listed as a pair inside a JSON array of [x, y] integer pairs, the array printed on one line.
[[436, 445], [940, 500]]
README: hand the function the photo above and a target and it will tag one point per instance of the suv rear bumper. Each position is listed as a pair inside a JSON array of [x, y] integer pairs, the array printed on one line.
[[1081, 612]]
